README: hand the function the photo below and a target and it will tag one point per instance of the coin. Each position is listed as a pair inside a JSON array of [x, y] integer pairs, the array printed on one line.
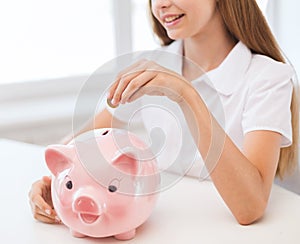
[[108, 101]]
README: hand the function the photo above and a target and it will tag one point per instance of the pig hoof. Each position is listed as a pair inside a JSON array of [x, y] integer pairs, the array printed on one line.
[[77, 234], [126, 235]]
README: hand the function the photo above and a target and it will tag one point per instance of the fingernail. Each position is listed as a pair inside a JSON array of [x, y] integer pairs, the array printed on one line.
[[57, 219], [48, 211]]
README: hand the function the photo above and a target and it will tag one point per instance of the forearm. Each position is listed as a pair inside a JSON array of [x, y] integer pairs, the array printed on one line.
[[235, 177]]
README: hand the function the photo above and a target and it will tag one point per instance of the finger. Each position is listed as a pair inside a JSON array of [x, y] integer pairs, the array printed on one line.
[[36, 196], [38, 204], [46, 219], [137, 83], [46, 180], [123, 83], [124, 72], [123, 76], [148, 90], [48, 215]]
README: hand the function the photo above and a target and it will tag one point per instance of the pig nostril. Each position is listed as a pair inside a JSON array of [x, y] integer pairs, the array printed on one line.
[[86, 205], [81, 203], [104, 133]]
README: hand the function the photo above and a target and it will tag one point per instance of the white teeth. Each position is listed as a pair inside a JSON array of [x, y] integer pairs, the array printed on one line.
[[172, 18]]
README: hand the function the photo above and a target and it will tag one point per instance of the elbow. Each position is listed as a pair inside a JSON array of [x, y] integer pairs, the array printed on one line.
[[248, 219], [251, 215]]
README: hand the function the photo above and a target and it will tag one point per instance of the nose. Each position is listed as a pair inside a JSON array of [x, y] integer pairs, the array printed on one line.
[[86, 205], [158, 4]]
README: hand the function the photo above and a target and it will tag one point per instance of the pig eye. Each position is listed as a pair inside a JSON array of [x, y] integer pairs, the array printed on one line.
[[112, 188], [114, 185], [69, 185]]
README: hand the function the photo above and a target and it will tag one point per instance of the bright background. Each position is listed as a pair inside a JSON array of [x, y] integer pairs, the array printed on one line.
[[49, 39], [48, 49], [61, 38]]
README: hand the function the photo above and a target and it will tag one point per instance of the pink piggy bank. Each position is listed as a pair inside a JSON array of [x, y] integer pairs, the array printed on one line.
[[105, 183]]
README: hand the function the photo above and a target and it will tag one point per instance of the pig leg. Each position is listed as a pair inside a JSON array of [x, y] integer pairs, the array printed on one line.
[[77, 234], [126, 235]]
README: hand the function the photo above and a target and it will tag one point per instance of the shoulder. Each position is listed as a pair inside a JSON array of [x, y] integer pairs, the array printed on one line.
[[269, 70]]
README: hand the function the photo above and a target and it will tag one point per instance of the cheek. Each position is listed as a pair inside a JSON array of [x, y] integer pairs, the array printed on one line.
[[120, 205], [206, 12], [155, 14], [64, 195], [154, 10]]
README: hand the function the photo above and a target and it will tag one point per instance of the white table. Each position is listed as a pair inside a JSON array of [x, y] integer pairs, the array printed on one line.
[[189, 212]]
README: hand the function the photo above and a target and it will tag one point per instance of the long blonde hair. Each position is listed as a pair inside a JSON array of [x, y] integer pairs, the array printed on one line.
[[245, 22]]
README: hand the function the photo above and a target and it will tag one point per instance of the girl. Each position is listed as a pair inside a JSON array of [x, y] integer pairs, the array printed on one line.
[[231, 41]]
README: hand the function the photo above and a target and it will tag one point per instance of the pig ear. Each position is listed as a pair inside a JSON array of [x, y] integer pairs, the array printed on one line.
[[126, 163], [56, 159]]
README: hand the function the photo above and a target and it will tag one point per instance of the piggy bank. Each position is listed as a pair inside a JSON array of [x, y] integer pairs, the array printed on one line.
[[104, 183]]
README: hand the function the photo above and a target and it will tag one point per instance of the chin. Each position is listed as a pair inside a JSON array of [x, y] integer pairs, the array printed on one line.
[[176, 35]]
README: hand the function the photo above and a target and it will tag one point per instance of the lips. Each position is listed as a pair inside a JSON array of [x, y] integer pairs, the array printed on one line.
[[89, 218], [171, 18]]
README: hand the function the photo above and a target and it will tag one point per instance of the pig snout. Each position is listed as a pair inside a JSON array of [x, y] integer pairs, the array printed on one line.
[[87, 209], [86, 204]]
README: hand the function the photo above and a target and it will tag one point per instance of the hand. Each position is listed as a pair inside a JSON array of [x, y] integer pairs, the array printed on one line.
[[41, 201], [147, 78]]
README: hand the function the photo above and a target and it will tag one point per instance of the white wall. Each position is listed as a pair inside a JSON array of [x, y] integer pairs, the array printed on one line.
[[287, 29]]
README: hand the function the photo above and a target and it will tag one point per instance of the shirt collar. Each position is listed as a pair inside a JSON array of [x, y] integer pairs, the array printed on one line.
[[226, 77]]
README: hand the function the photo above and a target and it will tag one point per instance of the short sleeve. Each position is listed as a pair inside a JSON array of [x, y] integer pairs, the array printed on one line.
[[268, 104]]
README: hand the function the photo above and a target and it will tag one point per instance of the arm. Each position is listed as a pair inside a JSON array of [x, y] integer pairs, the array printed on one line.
[[103, 119], [243, 179]]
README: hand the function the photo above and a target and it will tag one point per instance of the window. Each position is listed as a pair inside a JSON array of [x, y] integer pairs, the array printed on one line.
[[50, 39], [143, 38], [48, 50]]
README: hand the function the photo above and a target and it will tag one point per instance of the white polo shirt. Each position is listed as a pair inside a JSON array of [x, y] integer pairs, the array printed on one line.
[[247, 92]]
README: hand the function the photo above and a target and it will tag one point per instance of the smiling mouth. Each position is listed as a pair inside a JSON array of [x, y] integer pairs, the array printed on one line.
[[173, 18], [89, 218]]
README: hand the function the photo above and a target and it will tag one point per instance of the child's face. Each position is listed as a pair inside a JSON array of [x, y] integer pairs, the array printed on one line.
[[185, 18]]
